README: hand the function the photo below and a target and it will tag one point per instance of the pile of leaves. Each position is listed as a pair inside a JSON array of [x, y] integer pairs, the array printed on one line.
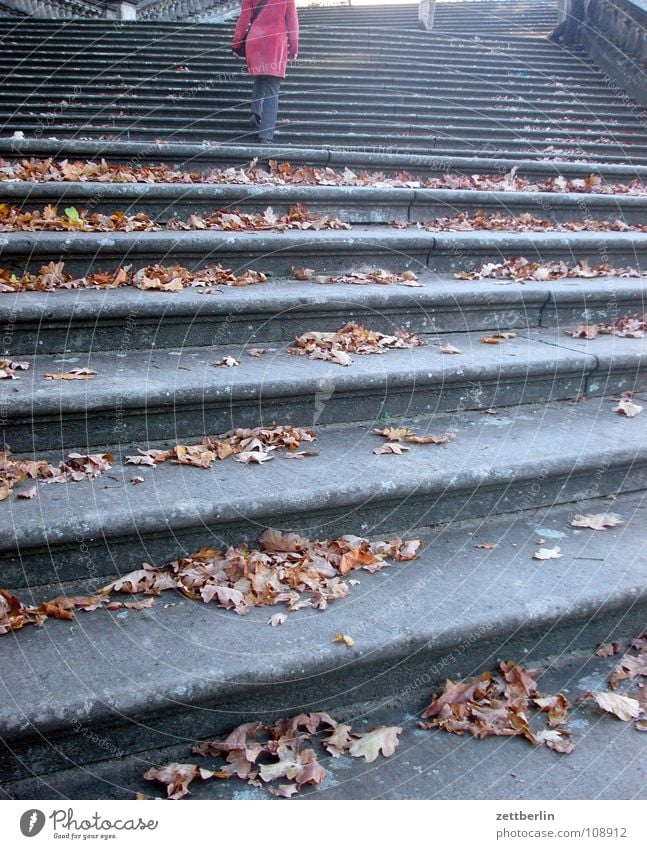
[[12, 219], [247, 445], [353, 338], [520, 269], [360, 278], [284, 173], [629, 326], [523, 223], [298, 217], [396, 436], [75, 468], [502, 705], [287, 569], [164, 278], [262, 755]]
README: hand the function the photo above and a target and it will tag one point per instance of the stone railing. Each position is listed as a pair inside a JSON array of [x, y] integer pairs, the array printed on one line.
[[52, 8], [186, 10], [614, 34]]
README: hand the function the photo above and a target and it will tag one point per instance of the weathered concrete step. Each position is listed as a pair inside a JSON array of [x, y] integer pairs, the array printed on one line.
[[355, 204], [541, 365], [527, 456], [293, 105], [160, 395], [330, 251], [76, 321], [203, 157], [122, 676], [427, 765]]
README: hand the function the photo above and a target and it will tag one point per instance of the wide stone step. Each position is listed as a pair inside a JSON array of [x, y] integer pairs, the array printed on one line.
[[327, 250], [355, 204], [160, 395], [526, 456], [201, 157], [415, 622], [37, 323]]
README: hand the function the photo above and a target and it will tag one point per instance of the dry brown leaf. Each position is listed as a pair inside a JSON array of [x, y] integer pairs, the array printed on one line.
[[344, 638], [177, 777], [391, 448], [256, 352], [628, 408], [449, 349], [72, 374], [623, 707], [228, 362]]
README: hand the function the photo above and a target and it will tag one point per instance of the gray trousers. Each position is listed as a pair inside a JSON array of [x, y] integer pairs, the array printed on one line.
[[265, 104]]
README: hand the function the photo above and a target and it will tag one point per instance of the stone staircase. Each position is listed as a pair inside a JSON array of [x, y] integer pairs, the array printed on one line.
[[88, 705]]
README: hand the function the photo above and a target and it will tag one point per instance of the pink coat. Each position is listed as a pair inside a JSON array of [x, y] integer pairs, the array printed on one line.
[[273, 37]]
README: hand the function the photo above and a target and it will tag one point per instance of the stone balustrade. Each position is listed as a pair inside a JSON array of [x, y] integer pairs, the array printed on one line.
[[53, 8], [614, 34]]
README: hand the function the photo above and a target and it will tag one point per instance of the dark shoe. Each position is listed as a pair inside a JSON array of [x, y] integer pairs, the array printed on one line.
[[255, 121]]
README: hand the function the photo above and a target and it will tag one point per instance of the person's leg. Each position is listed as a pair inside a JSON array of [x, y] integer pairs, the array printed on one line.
[[257, 101], [271, 88]]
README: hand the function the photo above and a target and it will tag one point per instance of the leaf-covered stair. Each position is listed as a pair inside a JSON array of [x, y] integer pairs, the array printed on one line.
[[89, 705]]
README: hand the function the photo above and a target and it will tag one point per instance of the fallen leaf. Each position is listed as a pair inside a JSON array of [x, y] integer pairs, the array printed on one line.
[[177, 777], [486, 545], [547, 553], [248, 457], [597, 521], [628, 408], [382, 740], [256, 352], [72, 374], [450, 349], [32, 492], [623, 707], [277, 619], [228, 362], [391, 448], [344, 638]]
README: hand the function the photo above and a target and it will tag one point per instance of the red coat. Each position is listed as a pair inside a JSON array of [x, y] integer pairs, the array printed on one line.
[[273, 37]]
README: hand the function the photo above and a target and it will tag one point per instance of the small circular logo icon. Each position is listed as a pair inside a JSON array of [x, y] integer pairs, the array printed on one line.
[[32, 822]]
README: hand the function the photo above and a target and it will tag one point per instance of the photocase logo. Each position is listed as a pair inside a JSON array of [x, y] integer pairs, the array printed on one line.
[[32, 822]]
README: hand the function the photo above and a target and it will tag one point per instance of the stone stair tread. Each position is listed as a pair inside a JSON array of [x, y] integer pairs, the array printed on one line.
[[516, 444], [117, 668], [154, 378]]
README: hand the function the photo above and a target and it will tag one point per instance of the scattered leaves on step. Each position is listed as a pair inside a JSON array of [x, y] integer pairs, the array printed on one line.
[[228, 362], [520, 269], [267, 755], [353, 338], [14, 615], [361, 278], [72, 374], [8, 369], [75, 468], [525, 222], [287, 569], [15, 219], [500, 704], [276, 173], [160, 278], [547, 553], [627, 407], [623, 707], [344, 638], [632, 327], [298, 217], [597, 521], [247, 445]]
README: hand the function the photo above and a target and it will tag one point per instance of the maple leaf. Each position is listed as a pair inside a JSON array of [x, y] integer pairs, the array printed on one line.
[[623, 707], [558, 741], [597, 521], [431, 439], [382, 740], [393, 434]]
